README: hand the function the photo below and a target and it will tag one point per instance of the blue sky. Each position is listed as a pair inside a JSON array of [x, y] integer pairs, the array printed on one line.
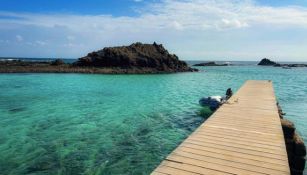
[[193, 29], [94, 7]]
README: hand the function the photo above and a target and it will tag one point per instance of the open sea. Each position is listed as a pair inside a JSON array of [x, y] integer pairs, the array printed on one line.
[[119, 124]]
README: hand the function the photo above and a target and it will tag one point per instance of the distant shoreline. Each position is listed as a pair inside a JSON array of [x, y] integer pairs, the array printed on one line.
[[46, 67], [71, 60]]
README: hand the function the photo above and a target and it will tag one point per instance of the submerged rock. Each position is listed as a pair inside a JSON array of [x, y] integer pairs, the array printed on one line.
[[150, 56], [266, 62]]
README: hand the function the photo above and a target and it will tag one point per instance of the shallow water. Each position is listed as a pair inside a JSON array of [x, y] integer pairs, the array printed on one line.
[[118, 124]]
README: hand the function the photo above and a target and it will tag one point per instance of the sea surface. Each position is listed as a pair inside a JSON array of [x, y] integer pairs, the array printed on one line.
[[119, 124]]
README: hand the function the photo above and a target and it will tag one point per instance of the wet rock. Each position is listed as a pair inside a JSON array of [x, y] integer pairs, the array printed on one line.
[[280, 112], [288, 128], [299, 146], [266, 62], [298, 162], [295, 146], [296, 172]]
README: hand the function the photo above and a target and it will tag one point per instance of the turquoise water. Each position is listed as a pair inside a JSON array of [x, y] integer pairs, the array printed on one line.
[[118, 124]]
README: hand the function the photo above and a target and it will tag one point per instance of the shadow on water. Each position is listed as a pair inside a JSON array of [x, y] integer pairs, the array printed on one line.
[[205, 112]]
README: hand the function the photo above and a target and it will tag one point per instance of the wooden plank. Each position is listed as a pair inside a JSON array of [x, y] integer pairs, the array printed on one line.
[[158, 173], [209, 165], [243, 136], [261, 144], [188, 168], [244, 139], [235, 154], [209, 145], [261, 137], [230, 158], [237, 166]]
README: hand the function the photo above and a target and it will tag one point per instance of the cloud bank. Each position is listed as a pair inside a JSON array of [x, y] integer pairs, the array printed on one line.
[[193, 29]]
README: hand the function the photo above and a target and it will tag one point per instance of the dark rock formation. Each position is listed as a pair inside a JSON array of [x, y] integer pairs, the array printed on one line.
[[210, 64], [296, 148], [57, 62], [266, 62], [280, 112], [288, 128], [295, 65], [153, 57], [137, 58]]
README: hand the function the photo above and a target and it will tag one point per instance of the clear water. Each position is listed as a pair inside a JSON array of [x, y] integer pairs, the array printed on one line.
[[118, 124]]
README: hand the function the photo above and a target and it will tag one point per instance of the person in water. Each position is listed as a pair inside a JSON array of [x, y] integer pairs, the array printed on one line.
[[228, 93]]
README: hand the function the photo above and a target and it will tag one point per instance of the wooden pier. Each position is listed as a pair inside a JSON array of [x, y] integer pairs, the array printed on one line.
[[244, 136]]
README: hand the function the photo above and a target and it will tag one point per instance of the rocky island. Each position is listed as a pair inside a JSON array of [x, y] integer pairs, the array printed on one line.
[[136, 58], [268, 62]]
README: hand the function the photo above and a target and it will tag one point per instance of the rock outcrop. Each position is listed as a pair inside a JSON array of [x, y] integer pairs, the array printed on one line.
[[137, 58], [266, 62], [57, 62], [210, 64], [296, 148], [151, 57]]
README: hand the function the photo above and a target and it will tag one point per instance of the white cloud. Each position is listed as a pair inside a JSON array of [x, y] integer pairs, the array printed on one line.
[[4, 41], [168, 21], [41, 43], [71, 38], [226, 24], [19, 38], [188, 14]]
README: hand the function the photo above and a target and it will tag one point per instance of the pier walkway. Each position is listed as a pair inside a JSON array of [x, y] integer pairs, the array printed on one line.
[[243, 136]]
